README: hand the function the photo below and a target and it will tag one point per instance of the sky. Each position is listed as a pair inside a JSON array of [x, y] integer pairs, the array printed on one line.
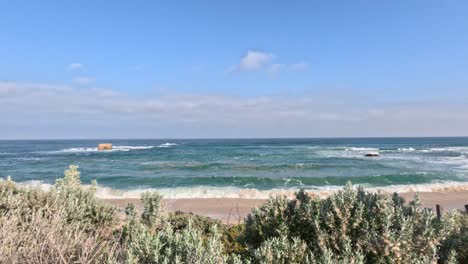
[[224, 69]]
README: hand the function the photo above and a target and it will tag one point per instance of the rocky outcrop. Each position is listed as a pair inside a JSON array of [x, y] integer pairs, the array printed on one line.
[[105, 146]]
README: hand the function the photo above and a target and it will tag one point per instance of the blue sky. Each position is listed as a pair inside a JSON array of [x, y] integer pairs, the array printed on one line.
[[233, 69]]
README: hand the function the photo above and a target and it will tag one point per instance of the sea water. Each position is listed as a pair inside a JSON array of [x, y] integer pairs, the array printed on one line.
[[241, 168]]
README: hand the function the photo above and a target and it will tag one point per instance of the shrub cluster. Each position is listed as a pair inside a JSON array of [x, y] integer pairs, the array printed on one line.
[[351, 226], [68, 224]]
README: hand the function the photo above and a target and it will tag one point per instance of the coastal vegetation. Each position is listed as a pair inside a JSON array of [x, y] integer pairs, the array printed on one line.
[[68, 224]]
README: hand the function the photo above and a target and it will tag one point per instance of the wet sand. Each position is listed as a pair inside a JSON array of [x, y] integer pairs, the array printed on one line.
[[234, 210]]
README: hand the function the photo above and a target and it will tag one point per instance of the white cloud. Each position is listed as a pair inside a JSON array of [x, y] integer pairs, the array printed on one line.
[[83, 80], [75, 66], [255, 60], [63, 111], [258, 60]]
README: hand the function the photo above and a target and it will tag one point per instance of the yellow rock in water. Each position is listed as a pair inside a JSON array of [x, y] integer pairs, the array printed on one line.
[[105, 146]]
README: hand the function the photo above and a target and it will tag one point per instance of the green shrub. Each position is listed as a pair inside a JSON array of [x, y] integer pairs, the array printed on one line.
[[379, 226], [67, 197], [457, 242], [80, 204], [278, 250], [151, 215], [270, 220], [69, 224], [234, 240], [186, 245], [21, 201], [180, 220]]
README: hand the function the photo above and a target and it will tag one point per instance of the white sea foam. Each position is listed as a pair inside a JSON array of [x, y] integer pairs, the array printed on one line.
[[460, 162], [167, 145], [114, 148], [345, 152], [440, 186], [409, 154], [28, 158], [131, 147], [77, 150], [450, 149], [406, 149], [358, 151], [252, 193], [433, 150], [361, 149]]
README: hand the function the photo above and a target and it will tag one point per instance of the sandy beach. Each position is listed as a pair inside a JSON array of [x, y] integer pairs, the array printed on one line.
[[234, 210]]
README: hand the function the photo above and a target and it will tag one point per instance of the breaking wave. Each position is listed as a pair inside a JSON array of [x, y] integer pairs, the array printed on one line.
[[114, 148], [252, 193], [167, 145]]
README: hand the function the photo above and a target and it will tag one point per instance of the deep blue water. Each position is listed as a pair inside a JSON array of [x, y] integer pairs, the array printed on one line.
[[262, 164]]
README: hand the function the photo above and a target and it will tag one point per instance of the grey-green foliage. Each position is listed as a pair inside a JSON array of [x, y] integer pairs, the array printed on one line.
[[151, 238], [77, 204], [68, 224], [81, 204], [278, 250], [151, 208], [188, 245], [456, 245], [353, 224]]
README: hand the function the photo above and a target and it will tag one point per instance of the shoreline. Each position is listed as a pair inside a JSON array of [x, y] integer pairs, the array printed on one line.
[[234, 210]]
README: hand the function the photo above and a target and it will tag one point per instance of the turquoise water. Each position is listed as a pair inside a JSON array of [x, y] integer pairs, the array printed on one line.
[[222, 167]]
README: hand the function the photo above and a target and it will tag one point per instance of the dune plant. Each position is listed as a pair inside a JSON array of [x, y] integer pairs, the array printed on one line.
[[353, 224], [455, 246], [277, 250], [81, 204], [156, 240], [151, 215], [68, 224]]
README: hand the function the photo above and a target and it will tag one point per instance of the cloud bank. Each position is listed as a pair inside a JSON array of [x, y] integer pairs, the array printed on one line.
[[31, 110]]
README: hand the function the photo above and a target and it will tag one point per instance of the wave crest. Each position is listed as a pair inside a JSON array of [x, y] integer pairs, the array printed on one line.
[[114, 148], [167, 145], [252, 193]]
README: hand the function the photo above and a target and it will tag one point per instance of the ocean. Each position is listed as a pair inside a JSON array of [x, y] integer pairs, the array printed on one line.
[[241, 168]]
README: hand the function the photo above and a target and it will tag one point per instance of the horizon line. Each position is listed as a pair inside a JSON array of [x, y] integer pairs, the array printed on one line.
[[234, 138]]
